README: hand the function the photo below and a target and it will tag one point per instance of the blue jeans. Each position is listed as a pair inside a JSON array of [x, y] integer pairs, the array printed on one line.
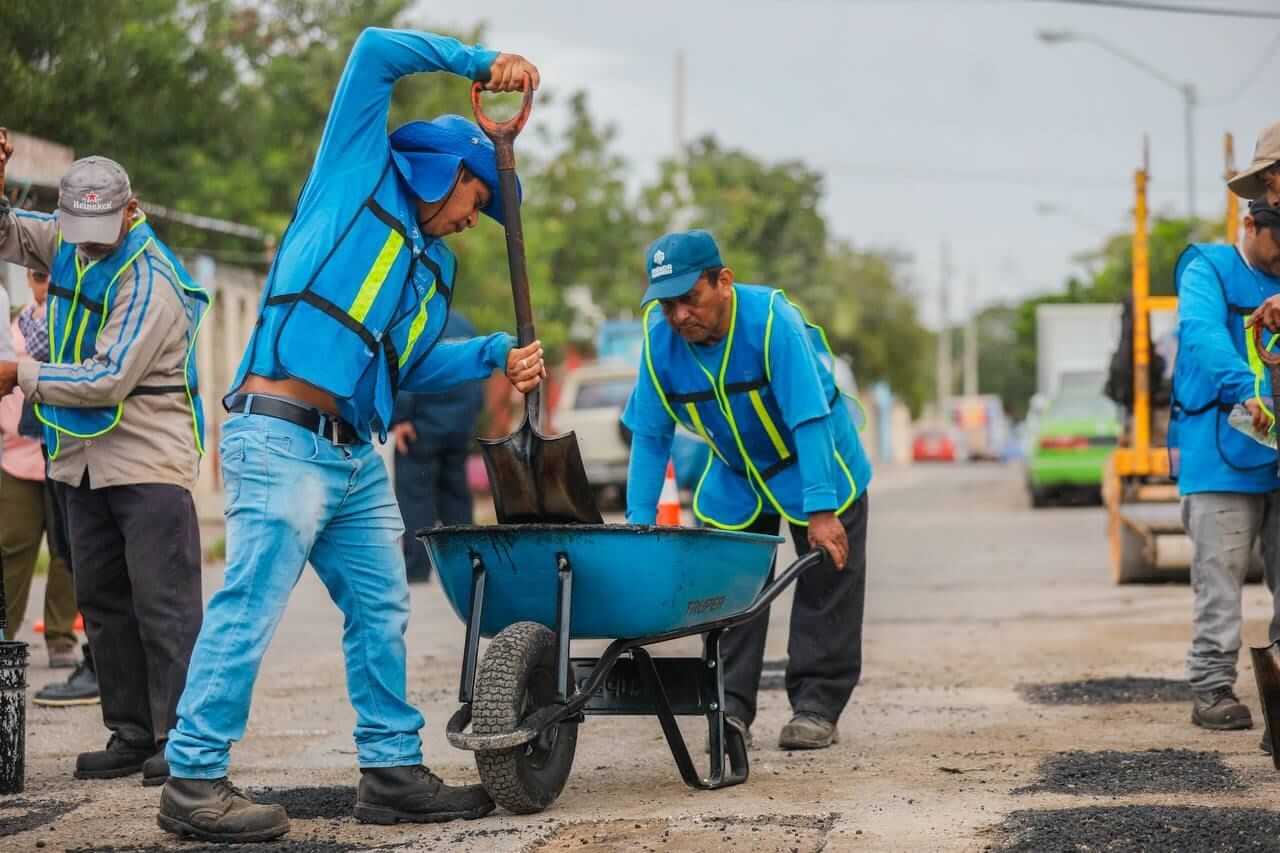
[[292, 497]]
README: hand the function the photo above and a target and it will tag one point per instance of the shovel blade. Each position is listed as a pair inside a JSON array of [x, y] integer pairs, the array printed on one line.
[[539, 479], [1266, 670]]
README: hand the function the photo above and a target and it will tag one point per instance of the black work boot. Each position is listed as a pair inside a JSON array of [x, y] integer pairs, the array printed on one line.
[[1220, 710], [155, 770], [416, 795], [215, 810], [118, 759], [80, 688]]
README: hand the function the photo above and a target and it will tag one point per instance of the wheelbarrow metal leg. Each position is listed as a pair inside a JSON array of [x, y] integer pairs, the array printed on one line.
[[724, 739], [564, 621], [471, 653]]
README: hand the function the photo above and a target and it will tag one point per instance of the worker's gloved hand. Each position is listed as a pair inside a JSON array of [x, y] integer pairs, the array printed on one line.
[[826, 532], [405, 435], [1261, 423], [1268, 315], [508, 73], [525, 368]]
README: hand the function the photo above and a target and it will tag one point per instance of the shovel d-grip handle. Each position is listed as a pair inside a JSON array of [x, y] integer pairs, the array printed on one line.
[[503, 131], [1272, 361]]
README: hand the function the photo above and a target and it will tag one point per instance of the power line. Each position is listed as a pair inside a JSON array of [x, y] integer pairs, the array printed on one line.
[[1139, 5], [1248, 79]]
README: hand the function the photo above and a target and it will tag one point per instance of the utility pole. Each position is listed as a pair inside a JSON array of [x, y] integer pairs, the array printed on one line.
[[944, 334], [971, 339], [683, 217]]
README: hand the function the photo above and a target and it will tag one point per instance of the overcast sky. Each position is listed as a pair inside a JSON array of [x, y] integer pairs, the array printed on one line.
[[932, 120]]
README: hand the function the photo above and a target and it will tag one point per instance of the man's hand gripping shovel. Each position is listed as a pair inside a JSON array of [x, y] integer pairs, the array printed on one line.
[[534, 477]]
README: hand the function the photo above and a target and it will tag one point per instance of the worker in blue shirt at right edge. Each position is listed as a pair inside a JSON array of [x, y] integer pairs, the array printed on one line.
[[739, 366]]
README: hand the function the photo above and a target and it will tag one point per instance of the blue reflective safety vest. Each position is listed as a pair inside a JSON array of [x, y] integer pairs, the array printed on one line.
[[79, 303], [381, 292], [753, 458], [1207, 453]]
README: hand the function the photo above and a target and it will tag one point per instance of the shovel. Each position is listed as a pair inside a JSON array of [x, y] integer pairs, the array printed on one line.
[[1266, 659], [535, 478]]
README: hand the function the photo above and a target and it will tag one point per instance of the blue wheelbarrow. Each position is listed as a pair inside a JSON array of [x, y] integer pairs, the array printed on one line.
[[534, 588]]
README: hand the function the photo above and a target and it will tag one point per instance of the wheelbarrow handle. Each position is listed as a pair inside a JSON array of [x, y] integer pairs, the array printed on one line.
[[503, 131]]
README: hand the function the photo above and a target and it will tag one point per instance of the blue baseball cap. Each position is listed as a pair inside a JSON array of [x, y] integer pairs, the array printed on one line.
[[428, 154], [676, 262]]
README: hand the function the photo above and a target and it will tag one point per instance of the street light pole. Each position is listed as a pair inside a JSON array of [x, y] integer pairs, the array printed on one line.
[[1186, 90]]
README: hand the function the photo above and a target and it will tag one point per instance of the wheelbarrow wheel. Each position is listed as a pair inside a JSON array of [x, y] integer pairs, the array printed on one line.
[[517, 678]]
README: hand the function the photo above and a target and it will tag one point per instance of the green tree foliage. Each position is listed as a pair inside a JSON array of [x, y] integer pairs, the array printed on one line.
[[216, 107]]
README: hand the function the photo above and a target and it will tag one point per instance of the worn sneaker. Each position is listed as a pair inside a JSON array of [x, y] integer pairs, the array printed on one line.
[[215, 810], [808, 731], [737, 721], [81, 688], [155, 770], [1220, 710], [416, 795], [63, 656], [118, 759]]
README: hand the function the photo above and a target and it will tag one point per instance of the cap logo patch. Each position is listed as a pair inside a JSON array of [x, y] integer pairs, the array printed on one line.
[[659, 257], [89, 201]]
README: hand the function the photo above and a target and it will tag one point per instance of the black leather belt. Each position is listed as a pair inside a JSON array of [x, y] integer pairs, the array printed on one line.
[[335, 429]]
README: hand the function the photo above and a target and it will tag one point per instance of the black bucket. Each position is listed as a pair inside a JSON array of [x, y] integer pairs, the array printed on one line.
[[13, 716]]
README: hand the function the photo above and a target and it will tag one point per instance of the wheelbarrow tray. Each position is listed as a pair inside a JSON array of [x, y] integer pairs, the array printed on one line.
[[629, 580]]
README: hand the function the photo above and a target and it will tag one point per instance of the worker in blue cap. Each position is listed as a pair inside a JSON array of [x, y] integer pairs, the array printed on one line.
[[739, 366], [352, 313]]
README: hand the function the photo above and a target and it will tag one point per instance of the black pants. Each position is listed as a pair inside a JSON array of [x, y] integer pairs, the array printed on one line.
[[430, 486], [136, 552], [824, 650]]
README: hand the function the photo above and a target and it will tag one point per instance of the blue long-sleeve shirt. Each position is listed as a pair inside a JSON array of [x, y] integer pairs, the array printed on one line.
[[799, 393], [1203, 316], [354, 150]]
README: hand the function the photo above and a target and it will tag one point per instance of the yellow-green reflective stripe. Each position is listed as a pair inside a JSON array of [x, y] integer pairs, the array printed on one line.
[[648, 361], [376, 276], [84, 327], [416, 328], [769, 426], [1256, 366]]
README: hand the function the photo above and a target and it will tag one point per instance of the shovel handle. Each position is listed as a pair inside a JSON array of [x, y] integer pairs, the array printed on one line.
[[503, 131], [503, 136]]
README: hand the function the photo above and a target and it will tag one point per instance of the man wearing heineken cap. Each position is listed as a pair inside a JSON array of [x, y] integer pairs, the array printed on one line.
[[739, 366], [353, 311], [120, 409]]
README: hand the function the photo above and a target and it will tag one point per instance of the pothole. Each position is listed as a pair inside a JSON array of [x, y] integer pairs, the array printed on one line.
[[1107, 691], [760, 834], [24, 814], [323, 802], [1154, 771], [1139, 829]]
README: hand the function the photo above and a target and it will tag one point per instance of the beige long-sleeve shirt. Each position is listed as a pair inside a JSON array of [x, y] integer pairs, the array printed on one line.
[[154, 442]]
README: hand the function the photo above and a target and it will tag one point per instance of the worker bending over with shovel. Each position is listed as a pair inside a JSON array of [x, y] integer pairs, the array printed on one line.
[[351, 313], [739, 366], [1229, 484]]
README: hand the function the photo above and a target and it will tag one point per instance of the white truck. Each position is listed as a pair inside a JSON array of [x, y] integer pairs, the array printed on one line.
[[1074, 342]]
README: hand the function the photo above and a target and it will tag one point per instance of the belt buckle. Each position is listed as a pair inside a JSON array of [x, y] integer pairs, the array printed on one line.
[[337, 437]]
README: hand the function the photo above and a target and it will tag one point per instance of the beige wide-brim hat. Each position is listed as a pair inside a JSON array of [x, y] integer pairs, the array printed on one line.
[[1248, 184]]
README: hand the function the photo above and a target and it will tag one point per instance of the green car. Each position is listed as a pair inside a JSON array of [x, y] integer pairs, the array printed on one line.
[[1069, 447]]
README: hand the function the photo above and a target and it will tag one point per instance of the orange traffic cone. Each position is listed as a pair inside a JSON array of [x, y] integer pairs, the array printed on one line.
[[78, 626], [669, 501]]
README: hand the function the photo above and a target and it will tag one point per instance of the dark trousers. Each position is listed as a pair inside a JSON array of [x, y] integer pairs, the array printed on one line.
[[430, 486], [824, 650], [136, 552]]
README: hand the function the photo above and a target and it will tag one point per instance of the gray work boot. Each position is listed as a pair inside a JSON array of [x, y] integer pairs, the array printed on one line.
[[737, 721], [808, 731], [214, 810], [416, 795], [1220, 710]]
